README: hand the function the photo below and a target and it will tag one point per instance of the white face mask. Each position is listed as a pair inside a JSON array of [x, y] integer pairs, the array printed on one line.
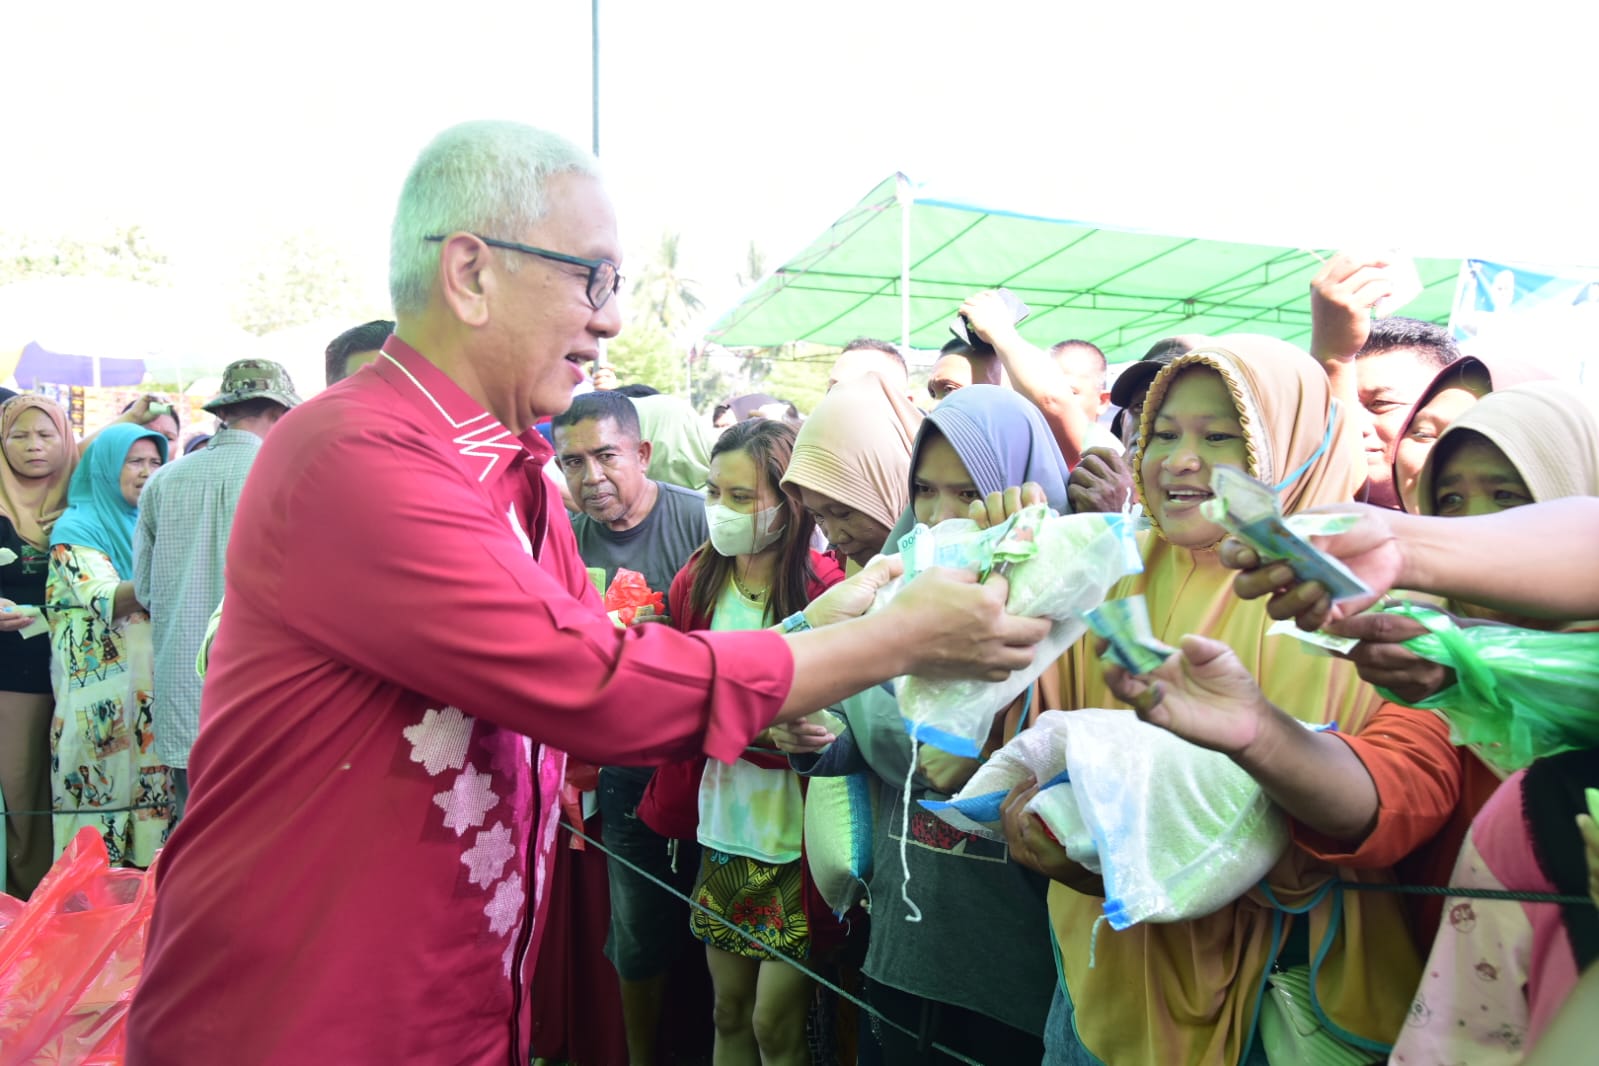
[[735, 533]]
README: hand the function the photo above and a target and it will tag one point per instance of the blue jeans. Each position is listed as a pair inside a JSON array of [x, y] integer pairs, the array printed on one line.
[[648, 926]]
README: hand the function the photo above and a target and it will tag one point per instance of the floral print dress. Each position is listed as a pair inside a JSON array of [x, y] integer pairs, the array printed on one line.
[[103, 768]]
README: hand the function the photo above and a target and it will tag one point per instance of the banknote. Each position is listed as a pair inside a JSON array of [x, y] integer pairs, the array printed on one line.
[[1251, 512], [1125, 625], [960, 544]]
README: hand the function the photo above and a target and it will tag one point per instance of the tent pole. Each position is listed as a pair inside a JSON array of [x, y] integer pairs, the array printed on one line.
[[594, 91], [903, 194]]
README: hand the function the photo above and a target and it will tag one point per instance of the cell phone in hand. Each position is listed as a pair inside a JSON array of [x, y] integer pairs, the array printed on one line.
[[962, 328]]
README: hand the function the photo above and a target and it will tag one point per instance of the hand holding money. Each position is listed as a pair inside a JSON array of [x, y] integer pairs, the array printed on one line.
[[1204, 695], [1250, 512]]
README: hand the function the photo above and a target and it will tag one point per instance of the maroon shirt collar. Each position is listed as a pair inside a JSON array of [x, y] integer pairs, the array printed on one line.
[[482, 444]]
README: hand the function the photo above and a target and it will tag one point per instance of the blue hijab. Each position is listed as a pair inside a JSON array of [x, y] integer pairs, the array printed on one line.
[[97, 516], [1001, 439]]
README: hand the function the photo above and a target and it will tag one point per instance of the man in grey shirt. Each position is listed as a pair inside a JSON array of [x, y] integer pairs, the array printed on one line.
[[630, 521], [627, 520]]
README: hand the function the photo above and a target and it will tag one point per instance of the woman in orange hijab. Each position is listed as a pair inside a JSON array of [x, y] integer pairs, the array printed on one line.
[[39, 455]]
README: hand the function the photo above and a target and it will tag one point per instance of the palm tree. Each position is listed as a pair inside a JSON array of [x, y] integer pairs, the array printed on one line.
[[664, 296], [754, 268]]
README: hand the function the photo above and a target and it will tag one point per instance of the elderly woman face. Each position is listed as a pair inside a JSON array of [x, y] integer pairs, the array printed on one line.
[[855, 533], [144, 459], [1476, 478], [33, 448]]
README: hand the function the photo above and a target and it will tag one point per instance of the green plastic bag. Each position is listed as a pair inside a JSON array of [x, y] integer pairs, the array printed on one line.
[[1519, 694]]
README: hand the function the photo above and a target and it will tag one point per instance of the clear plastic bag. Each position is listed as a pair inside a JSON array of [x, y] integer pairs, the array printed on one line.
[[1058, 566], [70, 959], [1177, 831], [1519, 694]]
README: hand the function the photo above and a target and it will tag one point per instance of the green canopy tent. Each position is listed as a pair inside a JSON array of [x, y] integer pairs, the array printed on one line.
[[899, 263]]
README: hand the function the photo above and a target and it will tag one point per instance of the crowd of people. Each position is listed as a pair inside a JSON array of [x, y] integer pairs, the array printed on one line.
[[431, 802]]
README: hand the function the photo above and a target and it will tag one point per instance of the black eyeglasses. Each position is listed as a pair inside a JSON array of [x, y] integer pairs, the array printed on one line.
[[604, 280]]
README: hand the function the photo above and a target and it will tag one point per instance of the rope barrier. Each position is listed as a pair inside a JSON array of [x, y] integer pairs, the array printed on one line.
[[1428, 890], [820, 980], [1470, 893], [1360, 886], [85, 812]]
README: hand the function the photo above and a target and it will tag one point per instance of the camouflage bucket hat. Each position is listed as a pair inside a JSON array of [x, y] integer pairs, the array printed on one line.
[[254, 379]]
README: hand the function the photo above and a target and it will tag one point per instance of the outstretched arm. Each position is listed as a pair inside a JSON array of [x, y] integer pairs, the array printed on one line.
[[1206, 696], [1536, 560]]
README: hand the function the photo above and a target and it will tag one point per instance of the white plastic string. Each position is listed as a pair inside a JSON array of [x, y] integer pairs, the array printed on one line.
[[913, 913]]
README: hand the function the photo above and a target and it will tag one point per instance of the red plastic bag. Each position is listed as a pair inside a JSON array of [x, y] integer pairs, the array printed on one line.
[[581, 777], [70, 960], [628, 594]]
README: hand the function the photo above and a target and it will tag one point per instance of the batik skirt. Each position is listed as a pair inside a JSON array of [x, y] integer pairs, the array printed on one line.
[[762, 900]]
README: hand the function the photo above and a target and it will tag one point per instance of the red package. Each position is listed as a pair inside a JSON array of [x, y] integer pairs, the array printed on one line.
[[70, 959], [628, 594], [581, 777]]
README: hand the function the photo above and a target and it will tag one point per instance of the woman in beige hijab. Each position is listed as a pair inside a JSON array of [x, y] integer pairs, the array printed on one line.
[[851, 465], [39, 455], [1542, 433]]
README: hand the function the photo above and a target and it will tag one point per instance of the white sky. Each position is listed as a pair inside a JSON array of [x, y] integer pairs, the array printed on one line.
[[1443, 128]]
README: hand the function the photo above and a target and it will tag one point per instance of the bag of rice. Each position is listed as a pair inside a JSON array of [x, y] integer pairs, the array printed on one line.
[[1058, 566], [1176, 830]]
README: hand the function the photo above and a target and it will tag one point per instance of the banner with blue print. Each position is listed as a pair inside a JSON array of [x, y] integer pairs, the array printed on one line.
[[1547, 316]]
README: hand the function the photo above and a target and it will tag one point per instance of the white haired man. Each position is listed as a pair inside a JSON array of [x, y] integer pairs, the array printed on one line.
[[411, 644]]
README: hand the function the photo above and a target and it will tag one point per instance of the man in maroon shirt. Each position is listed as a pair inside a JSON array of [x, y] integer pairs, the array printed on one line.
[[411, 645]]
